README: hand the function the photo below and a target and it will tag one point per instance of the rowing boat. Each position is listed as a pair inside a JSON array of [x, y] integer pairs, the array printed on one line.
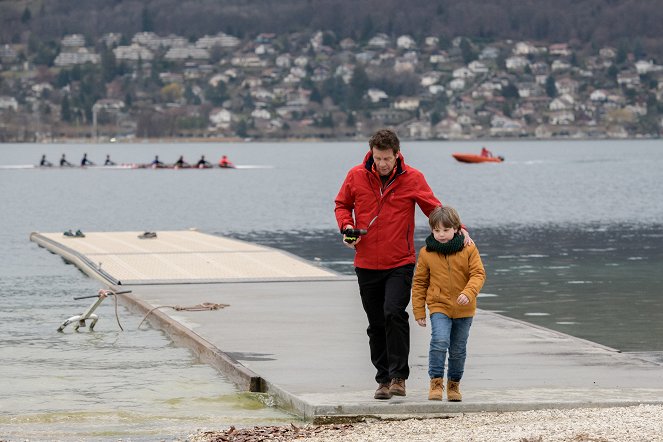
[[130, 166]]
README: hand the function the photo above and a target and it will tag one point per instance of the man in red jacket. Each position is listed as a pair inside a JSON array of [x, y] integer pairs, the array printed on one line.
[[379, 196]]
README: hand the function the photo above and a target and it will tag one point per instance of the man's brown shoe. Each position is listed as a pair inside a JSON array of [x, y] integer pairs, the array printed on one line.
[[382, 392], [397, 387]]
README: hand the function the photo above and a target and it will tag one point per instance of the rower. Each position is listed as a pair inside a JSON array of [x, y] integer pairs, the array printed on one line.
[[85, 161], [180, 163], [203, 163], [224, 162], [156, 163], [64, 162], [44, 162]]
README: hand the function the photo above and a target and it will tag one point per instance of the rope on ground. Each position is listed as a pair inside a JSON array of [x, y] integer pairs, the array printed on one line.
[[203, 306]]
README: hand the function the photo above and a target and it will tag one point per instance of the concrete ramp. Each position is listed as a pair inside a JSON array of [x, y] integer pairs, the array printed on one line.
[[297, 332]]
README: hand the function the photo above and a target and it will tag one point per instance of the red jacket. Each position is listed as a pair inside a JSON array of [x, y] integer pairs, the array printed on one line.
[[386, 212]]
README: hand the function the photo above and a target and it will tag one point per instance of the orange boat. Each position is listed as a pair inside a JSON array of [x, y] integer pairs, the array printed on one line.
[[473, 158]]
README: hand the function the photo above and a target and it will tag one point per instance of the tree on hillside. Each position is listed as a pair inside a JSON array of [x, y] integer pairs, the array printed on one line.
[[466, 49], [358, 86], [147, 22], [26, 16], [65, 109], [551, 87]]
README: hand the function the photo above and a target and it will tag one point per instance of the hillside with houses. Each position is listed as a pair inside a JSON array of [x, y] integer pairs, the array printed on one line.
[[318, 85]]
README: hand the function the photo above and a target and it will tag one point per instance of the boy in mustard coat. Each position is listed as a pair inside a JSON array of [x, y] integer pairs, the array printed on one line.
[[448, 278]]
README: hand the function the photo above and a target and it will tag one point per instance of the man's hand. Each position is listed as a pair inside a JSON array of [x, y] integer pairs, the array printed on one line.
[[350, 244], [422, 322], [466, 234]]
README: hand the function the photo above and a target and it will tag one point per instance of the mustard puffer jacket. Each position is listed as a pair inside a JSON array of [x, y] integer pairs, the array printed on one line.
[[439, 279]]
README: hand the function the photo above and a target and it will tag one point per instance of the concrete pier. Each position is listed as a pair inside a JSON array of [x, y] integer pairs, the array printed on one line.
[[297, 331]]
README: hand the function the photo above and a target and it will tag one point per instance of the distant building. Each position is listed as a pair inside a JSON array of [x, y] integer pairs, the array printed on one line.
[[407, 103], [8, 103], [154, 42], [80, 56], [134, 52], [406, 42], [73, 41], [380, 41], [377, 95], [220, 117], [221, 40], [186, 53], [7, 54]]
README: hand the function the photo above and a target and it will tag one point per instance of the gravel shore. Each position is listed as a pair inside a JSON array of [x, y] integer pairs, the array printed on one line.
[[623, 424]]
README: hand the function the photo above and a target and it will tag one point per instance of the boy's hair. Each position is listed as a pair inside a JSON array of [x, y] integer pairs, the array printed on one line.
[[385, 139], [444, 216]]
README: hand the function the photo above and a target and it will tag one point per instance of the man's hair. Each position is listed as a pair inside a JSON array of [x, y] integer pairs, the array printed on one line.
[[444, 216], [385, 139]]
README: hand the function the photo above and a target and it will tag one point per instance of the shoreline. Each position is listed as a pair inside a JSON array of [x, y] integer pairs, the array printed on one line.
[[623, 424], [236, 140]]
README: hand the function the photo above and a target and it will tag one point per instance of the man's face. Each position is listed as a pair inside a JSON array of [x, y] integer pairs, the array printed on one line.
[[385, 161]]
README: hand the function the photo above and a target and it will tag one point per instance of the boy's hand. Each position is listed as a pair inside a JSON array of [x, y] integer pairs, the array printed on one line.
[[422, 322], [463, 299]]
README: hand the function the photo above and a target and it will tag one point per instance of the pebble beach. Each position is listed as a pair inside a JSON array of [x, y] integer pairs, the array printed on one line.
[[623, 424]]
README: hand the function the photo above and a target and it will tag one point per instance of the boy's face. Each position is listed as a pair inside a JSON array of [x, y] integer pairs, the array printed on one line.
[[443, 234]]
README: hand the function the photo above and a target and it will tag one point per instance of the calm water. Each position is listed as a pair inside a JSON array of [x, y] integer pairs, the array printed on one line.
[[571, 234]]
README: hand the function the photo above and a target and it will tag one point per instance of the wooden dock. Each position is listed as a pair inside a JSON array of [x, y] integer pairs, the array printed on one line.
[[177, 257]]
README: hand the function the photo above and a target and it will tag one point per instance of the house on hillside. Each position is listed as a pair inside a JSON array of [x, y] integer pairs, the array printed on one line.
[[516, 63], [379, 41], [407, 103], [221, 40], [133, 53], [406, 42], [559, 49], [628, 79], [448, 129], [478, 67], [8, 103], [186, 53], [72, 42], [503, 126], [524, 48], [377, 95], [78, 57], [220, 118], [419, 130]]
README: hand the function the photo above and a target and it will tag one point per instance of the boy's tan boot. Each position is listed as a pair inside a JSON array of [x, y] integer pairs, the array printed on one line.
[[436, 389], [453, 391]]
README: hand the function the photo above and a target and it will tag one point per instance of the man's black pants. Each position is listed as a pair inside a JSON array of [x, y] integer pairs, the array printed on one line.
[[385, 295]]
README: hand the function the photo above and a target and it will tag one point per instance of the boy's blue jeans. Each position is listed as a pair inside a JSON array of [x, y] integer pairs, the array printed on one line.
[[448, 335]]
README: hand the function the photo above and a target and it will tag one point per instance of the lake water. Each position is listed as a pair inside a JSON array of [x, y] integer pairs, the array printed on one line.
[[571, 235]]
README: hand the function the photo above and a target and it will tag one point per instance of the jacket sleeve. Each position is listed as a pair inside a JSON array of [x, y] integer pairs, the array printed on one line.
[[420, 284], [345, 203], [425, 197], [477, 274]]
